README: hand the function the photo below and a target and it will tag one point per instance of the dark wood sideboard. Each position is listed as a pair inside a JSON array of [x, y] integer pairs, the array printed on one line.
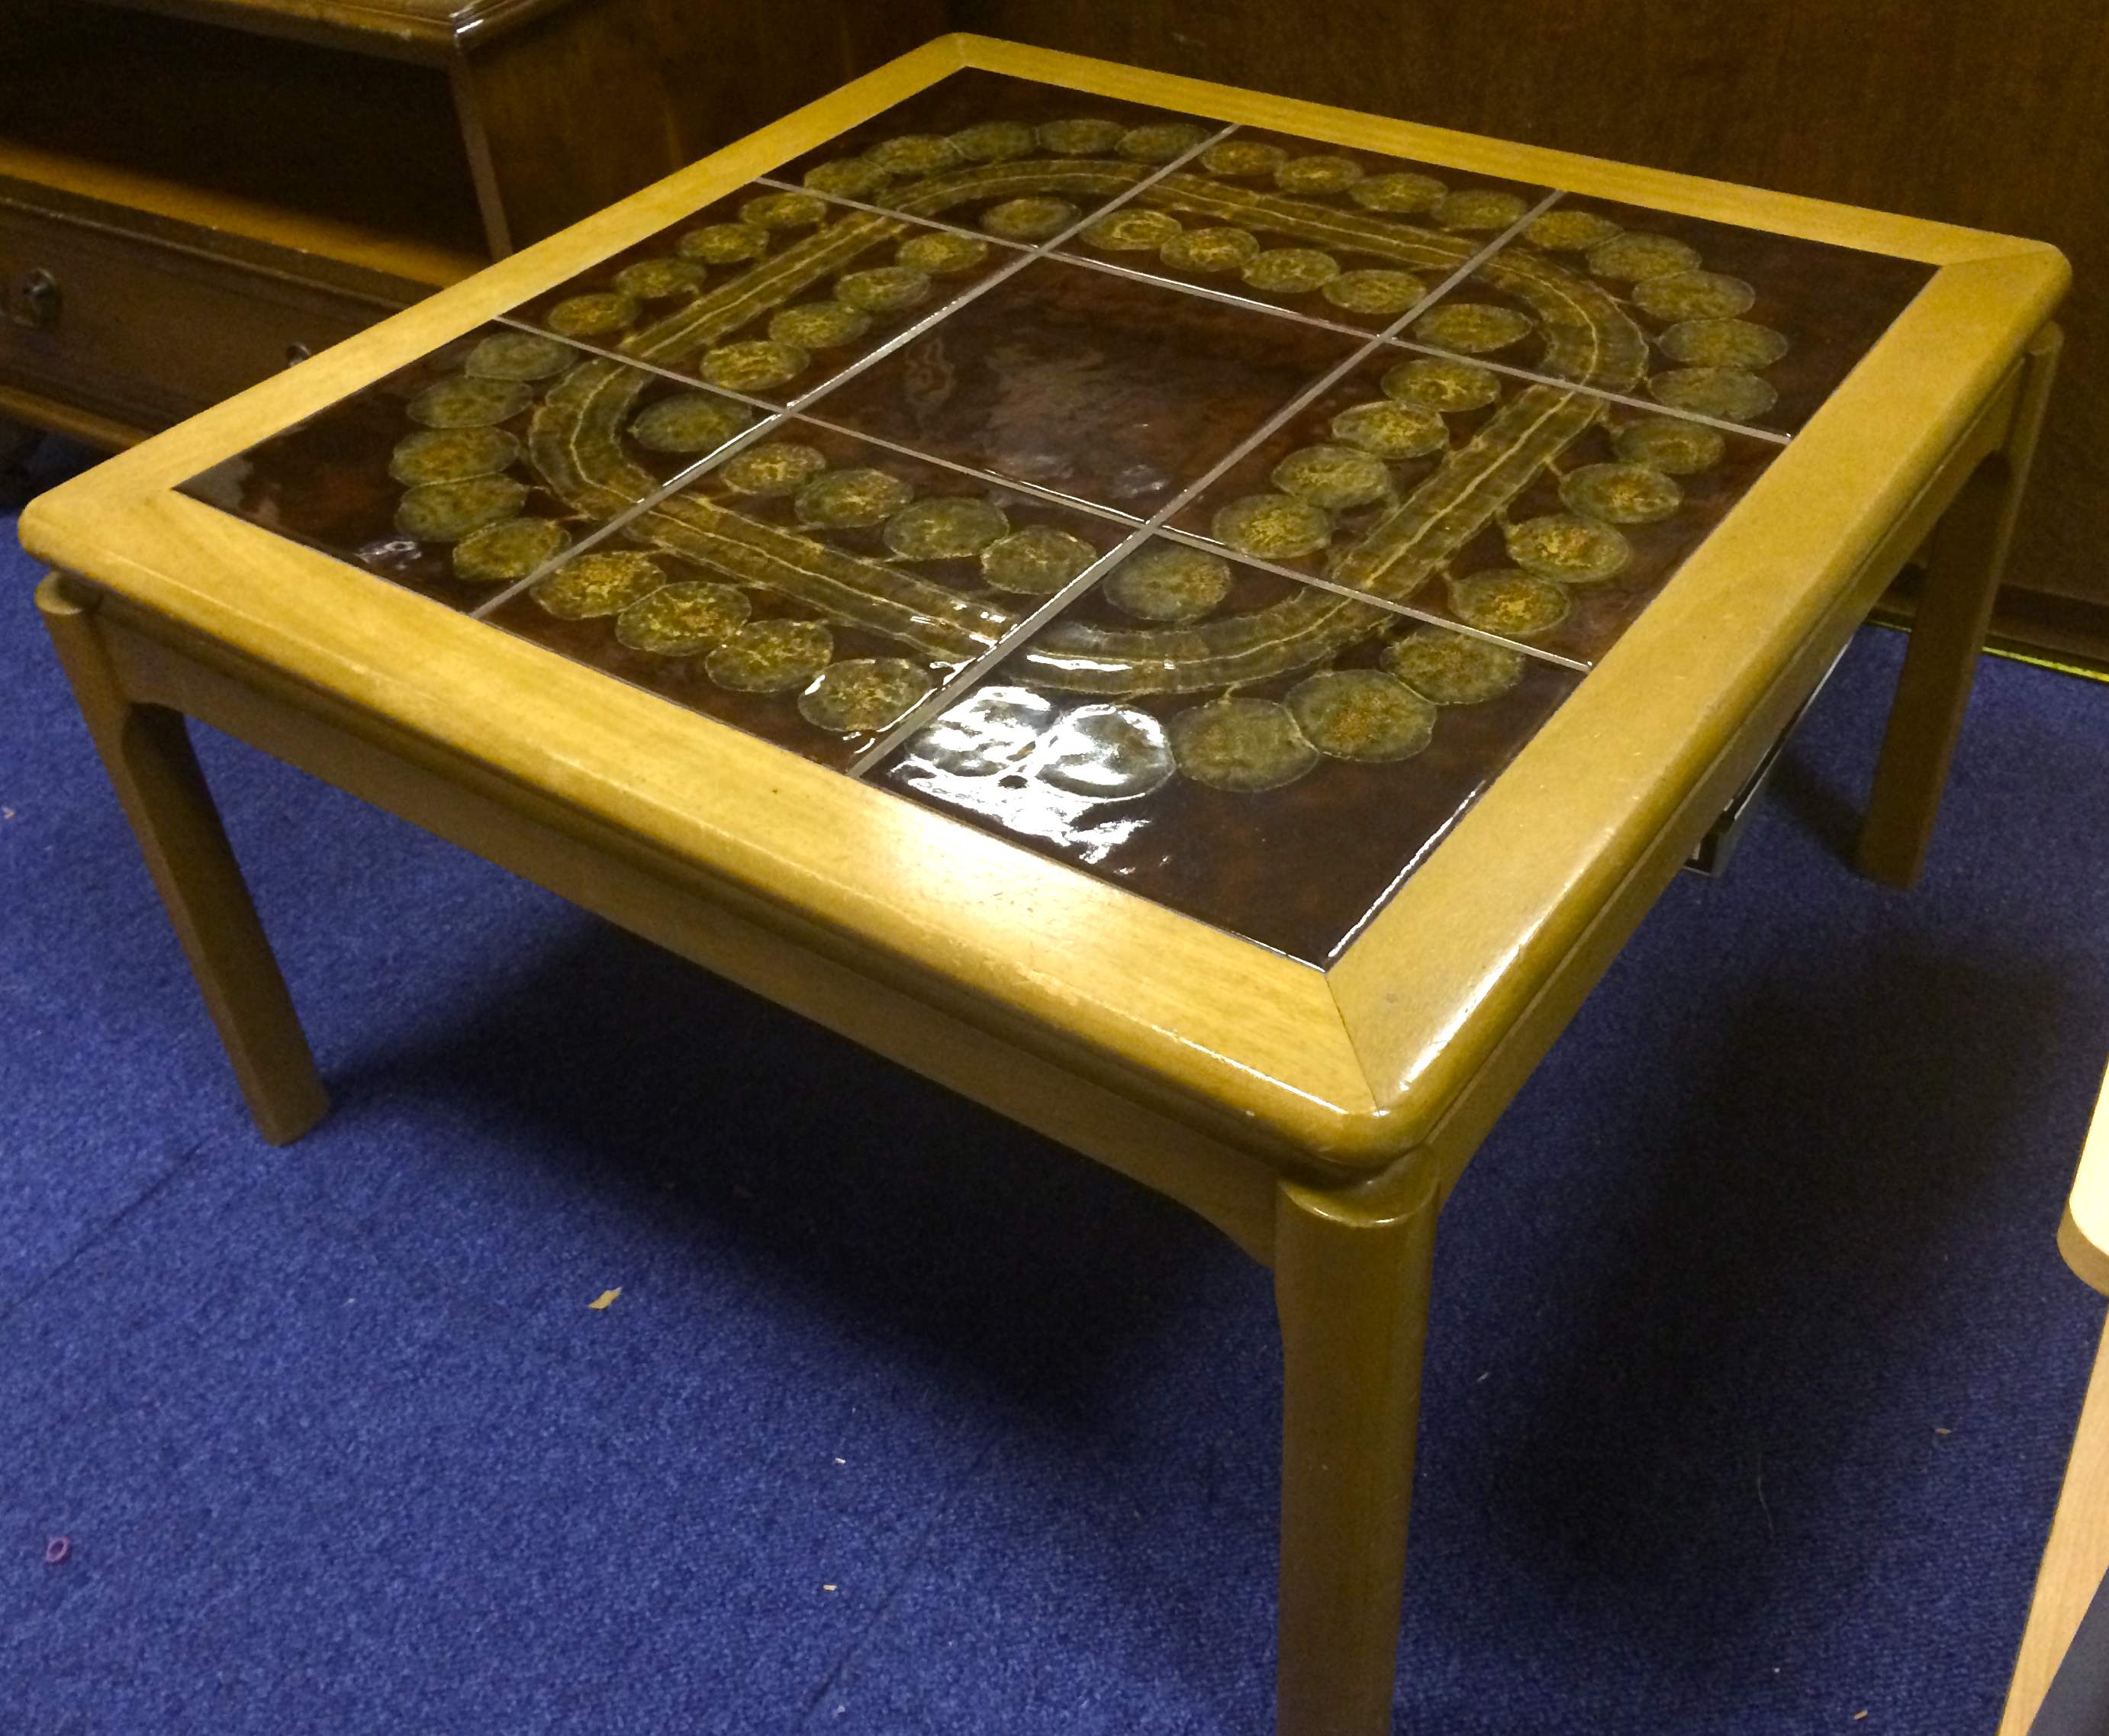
[[196, 192]]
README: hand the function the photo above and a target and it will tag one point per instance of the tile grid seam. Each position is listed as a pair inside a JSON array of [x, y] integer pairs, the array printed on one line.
[[934, 703], [907, 334]]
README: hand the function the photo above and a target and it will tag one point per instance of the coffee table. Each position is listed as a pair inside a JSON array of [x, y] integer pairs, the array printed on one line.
[[1198, 620]]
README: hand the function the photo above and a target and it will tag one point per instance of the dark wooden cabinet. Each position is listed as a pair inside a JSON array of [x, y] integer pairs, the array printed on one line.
[[1989, 113], [195, 192]]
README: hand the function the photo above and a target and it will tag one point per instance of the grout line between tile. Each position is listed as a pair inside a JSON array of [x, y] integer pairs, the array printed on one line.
[[1246, 303], [934, 703], [880, 211]]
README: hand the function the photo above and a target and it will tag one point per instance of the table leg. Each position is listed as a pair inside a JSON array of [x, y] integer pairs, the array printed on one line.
[[1968, 555], [147, 751], [1352, 1279]]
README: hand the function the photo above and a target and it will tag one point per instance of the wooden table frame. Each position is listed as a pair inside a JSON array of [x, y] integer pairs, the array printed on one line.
[[1317, 1118]]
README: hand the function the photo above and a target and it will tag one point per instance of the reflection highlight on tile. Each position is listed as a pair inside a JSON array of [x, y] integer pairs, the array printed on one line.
[[1263, 755]]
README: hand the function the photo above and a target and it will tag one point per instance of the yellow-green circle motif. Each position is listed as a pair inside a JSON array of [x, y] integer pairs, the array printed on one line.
[[942, 254], [501, 554], [1243, 159], [914, 154], [1633, 256], [882, 289], [1620, 494], [1376, 290], [1036, 561], [993, 140], [601, 313], [781, 467], [770, 657], [818, 325], [1159, 141], [1362, 714], [1132, 230], [847, 178], [1337, 478], [724, 243], [851, 500], [1275, 527], [1729, 394], [1082, 137], [1441, 385], [755, 365], [1448, 668], [1473, 328], [1034, 217], [1326, 172], [1516, 605], [863, 695], [655, 280], [1171, 584], [687, 423], [1401, 192], [1213, 250], [681, 619], [1392, 431], [1694, 295], [517, 356], [946, 528], [1722, 343], [446, 512], [1570, 231], [452, 454], [1479, 208], [1243, 746], [604, 582], [1289, 271], [463, 402], [1568, 547], [1671, 445]]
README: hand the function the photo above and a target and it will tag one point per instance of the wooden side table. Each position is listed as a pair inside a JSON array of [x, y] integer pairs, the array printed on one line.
[[197, 193], [1198, 620]]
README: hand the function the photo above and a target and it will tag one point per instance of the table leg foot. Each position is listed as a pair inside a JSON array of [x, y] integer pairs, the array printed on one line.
[[1968, 555], [1350, 1285], [146, 752]]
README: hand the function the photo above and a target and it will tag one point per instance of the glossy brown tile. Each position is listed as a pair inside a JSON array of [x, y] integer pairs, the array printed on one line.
[[1723, 322], [1318, 229], [1258, 754], [470, 468], [1533, 510], [765, 292], [810, 588], [1114, 391], [1018, 159]]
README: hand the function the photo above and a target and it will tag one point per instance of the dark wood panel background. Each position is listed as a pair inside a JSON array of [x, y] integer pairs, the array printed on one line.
[[1994, 113]]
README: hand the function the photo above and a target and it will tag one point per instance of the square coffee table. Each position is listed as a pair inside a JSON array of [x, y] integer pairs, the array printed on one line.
[[1199, 621]]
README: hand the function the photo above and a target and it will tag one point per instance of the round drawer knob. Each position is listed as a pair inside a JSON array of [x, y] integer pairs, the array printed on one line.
[[36, 299], [297, 352]]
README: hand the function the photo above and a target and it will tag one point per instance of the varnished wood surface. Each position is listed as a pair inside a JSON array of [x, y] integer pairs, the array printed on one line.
[[1993, 114], [429, 28], [1348, 1071]]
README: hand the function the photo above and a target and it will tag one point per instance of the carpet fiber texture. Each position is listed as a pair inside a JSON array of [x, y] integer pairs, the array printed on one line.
[[1753, 1366]]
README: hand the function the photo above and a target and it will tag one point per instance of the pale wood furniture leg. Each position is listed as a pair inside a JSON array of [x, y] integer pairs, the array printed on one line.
[[1968, 556], [2074, 1560], [1352, 1272], [147, 751]]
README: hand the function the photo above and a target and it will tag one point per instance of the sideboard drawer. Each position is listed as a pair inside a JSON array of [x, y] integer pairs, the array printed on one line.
[[148, 323]]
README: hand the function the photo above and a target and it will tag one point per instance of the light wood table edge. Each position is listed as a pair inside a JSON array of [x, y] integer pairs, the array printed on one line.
[[2076, 1556]]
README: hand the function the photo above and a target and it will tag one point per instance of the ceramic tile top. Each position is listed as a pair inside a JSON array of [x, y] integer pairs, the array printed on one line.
[[1267, 756], [1213, 510]]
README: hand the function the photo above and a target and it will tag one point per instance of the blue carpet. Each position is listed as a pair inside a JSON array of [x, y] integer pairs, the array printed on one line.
[[1754, 1363]]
